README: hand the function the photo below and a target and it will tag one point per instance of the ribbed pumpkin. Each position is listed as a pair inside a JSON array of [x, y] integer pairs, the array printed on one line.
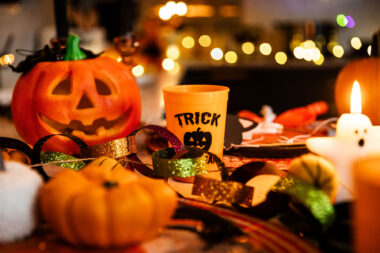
[[96, 99], [367, 72], [106, 205]]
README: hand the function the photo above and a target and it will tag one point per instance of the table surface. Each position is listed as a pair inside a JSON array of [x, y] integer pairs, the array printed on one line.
[[44, 240]]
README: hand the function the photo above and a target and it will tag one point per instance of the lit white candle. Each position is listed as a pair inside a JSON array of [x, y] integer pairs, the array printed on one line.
[[349, 143], [355, 122]]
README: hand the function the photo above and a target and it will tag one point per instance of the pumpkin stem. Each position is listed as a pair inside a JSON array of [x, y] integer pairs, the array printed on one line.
[[2, 164], [73, 52], [110, 184], [375, 44]]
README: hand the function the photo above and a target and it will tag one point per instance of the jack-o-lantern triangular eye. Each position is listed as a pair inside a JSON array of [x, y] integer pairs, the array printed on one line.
[[102, 88], [63, 87]]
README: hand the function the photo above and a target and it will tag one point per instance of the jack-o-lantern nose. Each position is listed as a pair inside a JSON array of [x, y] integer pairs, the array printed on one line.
[[84, 103]]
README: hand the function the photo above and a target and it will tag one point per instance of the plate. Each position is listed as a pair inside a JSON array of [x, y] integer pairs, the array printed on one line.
[[260, 236], [265, 150], [287, 144], [269, 150]]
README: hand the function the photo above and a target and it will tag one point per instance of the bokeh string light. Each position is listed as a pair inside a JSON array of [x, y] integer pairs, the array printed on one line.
[[168, 64], [188, 42], [138, 70], [173, 52], [216, 54], [356, 43], [345, 21], [248, 47], [191, 43], [171, 8], [204, 40], [231, 57], [265, 48], [281, 58]]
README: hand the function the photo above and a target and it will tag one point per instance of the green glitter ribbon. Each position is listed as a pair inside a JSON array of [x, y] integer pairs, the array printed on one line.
[[192, 163], [317, 202], [49, 156]]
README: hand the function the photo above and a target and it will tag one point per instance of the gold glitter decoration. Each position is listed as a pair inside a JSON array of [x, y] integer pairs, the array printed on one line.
[[223, 191], [192, 162], [116, 148]]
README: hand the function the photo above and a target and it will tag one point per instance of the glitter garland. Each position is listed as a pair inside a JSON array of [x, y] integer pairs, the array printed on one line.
[[50, 156], [115, 149], [315, 200], [223, 191], [193, 163]]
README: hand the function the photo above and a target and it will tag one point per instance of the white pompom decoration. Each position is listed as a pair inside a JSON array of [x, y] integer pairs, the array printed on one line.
[[19, 186]]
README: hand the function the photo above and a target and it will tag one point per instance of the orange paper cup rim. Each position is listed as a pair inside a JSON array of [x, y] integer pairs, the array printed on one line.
[[196, 94]]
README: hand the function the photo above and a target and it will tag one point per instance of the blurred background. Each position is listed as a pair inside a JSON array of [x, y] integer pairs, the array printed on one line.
[[284, 53]]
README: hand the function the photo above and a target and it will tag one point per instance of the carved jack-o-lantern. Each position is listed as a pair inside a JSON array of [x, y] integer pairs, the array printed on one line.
[[96, 100], [198, 139]]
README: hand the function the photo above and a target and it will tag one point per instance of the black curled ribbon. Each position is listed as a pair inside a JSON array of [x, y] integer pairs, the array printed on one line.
[[54, 53]]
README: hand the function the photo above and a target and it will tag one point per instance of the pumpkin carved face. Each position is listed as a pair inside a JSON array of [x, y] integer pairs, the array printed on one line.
[[198, 139], [106, 205], [96, 100]]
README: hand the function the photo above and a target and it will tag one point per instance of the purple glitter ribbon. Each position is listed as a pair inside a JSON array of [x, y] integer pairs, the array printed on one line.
[[165, 133]]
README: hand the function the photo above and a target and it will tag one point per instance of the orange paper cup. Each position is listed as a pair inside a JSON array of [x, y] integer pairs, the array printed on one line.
[[366, 173], [196, 114]]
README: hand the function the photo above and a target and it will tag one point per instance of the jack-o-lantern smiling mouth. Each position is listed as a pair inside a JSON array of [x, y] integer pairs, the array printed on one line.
[[95, 128]]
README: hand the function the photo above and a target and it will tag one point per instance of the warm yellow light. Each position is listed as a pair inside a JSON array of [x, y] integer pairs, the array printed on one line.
[[181, 9], [280, 58], [356, 43], [320, 60], [216, 54], [308, 44], [176, 68], [308, 54], [248, 47], [188, 42], [119, 59], [204, 40], [356, 98], [331, 45], [316, 54], [138, 70], [7, 59], [200, 11], [265, 48], [231, 57], [338, 51], [172, 52], [171, 5], [168, 64], [369, 50], [298, 52], [164, 13]]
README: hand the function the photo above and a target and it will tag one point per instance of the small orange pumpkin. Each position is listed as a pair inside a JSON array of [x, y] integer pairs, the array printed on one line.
[[106, 205], [367, 72], [96, 100]]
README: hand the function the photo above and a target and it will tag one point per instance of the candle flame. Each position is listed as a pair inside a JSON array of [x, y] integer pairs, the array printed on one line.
[[356, 98]]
